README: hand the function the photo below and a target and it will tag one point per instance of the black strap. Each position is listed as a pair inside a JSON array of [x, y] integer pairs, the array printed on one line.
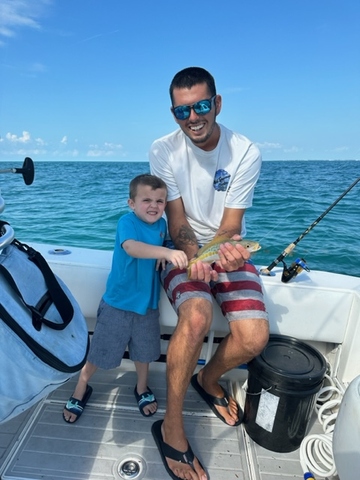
[[57, 294], [41, 352]]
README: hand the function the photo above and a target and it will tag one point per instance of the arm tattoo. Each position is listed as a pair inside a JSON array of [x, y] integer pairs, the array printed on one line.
[[185, 237], [227, 232]]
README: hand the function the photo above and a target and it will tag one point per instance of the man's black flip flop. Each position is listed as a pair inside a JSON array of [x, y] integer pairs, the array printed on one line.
[[166, 450], [220, 402]]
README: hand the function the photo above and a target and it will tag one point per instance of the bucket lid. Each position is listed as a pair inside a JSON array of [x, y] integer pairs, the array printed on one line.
[[289, 362]]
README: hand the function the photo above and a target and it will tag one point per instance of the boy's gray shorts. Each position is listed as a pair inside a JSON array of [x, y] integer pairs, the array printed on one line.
[[117, 329]]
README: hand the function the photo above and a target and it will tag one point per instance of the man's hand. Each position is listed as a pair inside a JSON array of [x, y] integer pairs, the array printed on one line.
[[232, 257], [203, 271]]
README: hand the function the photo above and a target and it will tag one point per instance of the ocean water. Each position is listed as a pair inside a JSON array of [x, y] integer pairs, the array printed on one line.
[[79, 204]]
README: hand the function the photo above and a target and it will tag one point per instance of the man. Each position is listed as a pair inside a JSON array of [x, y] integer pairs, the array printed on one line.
[[211, 173]]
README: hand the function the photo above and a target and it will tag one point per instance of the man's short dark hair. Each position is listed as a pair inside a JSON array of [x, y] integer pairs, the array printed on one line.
[[191, 76], [147, 180]]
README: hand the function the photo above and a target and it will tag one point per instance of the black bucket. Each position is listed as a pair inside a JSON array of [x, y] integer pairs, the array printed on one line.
[[282, 385]]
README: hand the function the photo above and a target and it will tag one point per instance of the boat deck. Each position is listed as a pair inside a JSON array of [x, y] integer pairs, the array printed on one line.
[[39, 445]]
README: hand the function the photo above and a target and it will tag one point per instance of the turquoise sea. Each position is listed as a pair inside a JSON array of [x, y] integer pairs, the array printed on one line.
[[79, 204]]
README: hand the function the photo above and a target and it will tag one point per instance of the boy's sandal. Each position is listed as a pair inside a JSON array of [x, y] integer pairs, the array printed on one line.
[[145, 399], [76, 406]]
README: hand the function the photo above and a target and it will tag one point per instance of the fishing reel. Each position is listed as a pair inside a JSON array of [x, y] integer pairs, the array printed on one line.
[[299, 265], [28, 172], [295, 268]]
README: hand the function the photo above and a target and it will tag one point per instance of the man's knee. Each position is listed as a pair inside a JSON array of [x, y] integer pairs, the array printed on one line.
[[195, 317], [252, 335]]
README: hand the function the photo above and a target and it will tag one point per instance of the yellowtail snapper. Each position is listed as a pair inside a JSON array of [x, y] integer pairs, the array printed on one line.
[[209, 252]]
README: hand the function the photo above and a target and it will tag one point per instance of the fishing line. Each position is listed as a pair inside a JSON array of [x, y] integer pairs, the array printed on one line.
[[291, 246], [280, 223]]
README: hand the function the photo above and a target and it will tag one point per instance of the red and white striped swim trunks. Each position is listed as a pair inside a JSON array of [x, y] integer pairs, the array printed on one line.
[[239, 293]]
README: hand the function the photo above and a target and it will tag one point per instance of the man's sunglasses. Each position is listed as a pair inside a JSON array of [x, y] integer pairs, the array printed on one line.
[[182, 112]]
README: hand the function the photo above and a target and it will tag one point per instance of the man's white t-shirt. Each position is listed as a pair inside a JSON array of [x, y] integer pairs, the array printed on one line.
[[207, 182]]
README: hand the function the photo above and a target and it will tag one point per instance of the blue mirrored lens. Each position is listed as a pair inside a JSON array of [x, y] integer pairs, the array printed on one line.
[[182, 112], [203, 107]]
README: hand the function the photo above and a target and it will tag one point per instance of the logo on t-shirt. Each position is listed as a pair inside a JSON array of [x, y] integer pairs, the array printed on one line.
[[221, 180]]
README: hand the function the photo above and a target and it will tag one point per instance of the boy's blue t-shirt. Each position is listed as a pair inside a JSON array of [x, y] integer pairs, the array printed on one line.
[[133, 283]]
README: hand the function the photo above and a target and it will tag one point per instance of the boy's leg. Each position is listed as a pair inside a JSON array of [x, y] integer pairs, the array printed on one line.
[[144, 348], [142, 370], [86, 373], [111, 335]]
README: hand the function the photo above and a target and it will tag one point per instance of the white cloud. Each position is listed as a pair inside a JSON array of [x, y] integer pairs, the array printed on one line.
[[108, 149], [113, 146], [30, 152], [269, 145], [292, 150], [95, 153], [28, 145], [65, 153], [100, 153], [15, 139], [16, 14]]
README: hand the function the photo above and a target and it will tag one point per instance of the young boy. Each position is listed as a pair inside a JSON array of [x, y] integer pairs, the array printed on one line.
[[128, 313]]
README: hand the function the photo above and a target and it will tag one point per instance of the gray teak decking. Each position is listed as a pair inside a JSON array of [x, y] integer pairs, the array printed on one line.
[[112, 432]]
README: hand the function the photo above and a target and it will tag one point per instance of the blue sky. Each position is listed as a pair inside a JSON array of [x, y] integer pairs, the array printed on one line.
[[88, 79]]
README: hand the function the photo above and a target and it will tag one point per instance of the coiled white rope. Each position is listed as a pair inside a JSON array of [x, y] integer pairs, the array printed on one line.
[[316, 452]]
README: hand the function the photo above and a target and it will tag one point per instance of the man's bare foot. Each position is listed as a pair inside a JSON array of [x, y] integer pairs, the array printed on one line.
[[220, 402], [180, 464]]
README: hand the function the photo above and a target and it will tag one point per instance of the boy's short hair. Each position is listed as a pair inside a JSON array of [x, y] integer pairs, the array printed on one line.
[[145, 179], [191, 76]]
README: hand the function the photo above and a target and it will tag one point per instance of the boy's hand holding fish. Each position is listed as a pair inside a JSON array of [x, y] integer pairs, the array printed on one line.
[[229, 253], [177, 257]]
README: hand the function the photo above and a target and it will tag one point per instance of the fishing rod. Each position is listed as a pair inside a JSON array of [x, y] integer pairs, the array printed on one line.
[[300, 263]]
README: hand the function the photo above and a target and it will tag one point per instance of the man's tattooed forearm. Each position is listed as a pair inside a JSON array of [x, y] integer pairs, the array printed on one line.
[[185, 237], [227, 232]]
